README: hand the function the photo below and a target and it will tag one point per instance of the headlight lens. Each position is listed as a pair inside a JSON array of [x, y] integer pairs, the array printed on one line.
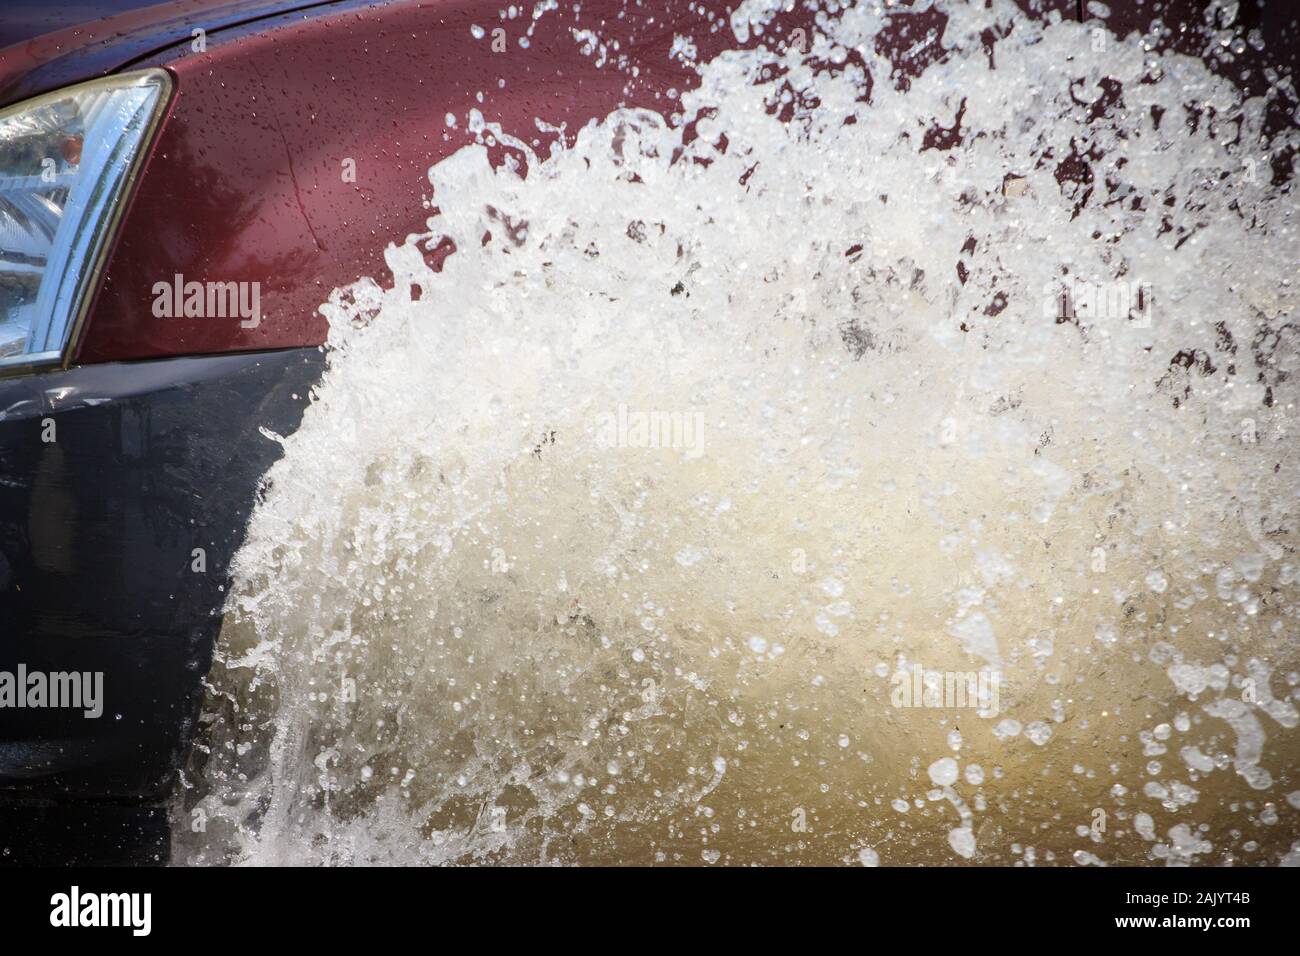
[[66, 160]]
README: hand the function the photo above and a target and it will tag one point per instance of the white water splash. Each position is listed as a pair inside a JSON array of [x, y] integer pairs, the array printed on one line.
[[543, 575]]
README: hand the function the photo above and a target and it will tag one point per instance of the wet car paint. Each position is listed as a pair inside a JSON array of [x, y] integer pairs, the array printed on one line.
[[268, 119], [43, 47], [116, 480], [297, 144]]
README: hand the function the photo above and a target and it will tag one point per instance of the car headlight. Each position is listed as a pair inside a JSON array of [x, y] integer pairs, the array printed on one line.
[[66, 162]]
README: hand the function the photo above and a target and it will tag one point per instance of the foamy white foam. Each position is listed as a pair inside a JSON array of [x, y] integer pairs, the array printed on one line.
[[620, 543]]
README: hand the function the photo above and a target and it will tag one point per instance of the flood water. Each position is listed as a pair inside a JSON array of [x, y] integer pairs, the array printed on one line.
[[859, 493]]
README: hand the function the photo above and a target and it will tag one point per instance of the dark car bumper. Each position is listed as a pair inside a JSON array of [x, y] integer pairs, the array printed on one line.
[[111, 476]]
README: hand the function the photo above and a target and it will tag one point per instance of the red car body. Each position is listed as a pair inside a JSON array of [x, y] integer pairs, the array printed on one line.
[[245, 179]]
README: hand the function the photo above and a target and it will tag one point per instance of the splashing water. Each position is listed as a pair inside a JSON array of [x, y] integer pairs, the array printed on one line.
[[631, 537]]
